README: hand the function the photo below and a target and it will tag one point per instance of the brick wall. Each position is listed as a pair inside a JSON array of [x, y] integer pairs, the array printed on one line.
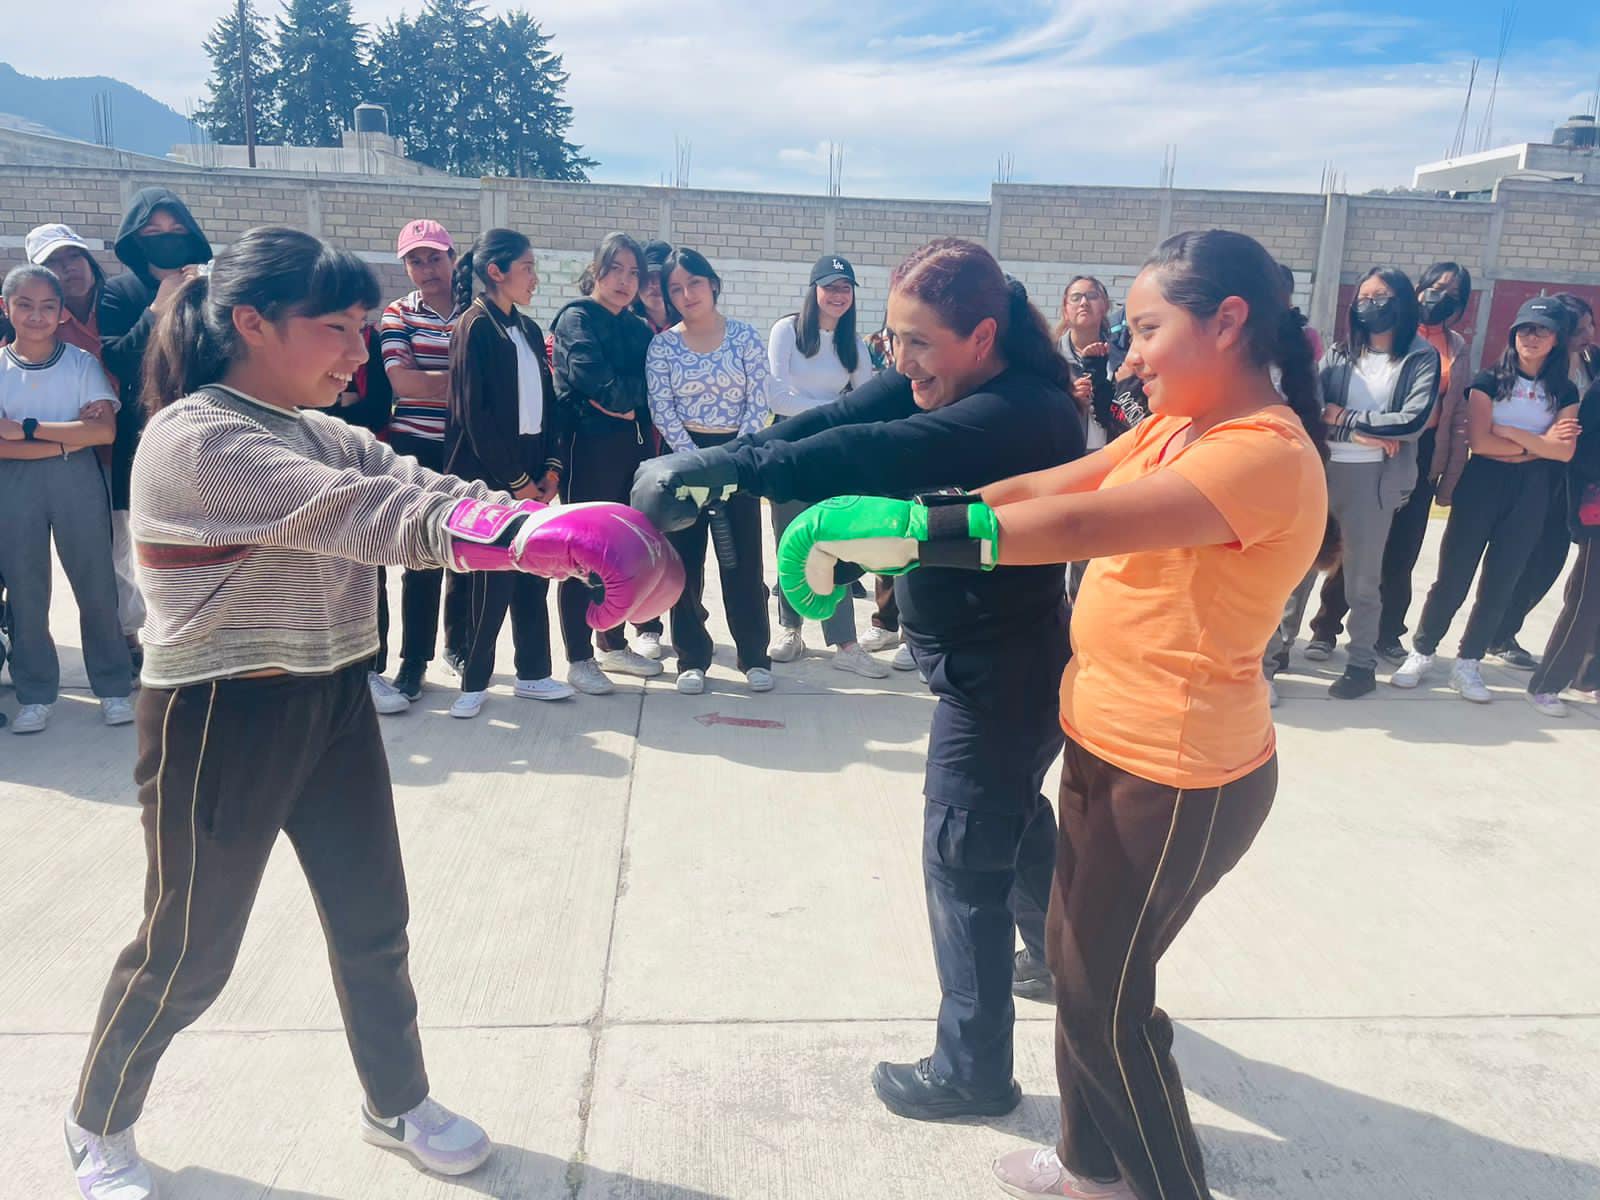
[[1095, 226], [1289, 226], [1411, 234]]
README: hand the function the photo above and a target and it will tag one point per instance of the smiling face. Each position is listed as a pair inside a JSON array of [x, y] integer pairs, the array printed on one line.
[[618, 283], [942, 365], [692, 295], [1181, 359], [310, 359], [834, 300], [35, 311]]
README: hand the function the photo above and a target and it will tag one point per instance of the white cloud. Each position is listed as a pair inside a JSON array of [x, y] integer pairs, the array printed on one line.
[[1076, 94]]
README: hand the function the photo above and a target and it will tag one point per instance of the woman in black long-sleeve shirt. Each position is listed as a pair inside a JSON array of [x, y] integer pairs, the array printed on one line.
[[505, 429], [980, 393]]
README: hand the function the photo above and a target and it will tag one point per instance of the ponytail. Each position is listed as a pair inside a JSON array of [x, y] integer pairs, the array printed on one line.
[[277, 271], [1299, 382], [185, 354], [1025, 339], [494, 247]]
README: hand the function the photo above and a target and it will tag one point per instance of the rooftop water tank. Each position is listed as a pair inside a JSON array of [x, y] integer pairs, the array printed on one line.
[[1579, 130], [374, 118]]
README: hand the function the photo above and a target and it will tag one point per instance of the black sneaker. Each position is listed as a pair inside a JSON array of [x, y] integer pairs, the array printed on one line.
[[1391, 651], [455, 663], [1356, 681], [1318, 650], [408, 680], [1513, 655], [916, 1091], [1031, 979]]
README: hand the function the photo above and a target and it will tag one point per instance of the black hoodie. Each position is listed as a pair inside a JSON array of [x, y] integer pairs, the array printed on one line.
[[599, 356], [126, 323]]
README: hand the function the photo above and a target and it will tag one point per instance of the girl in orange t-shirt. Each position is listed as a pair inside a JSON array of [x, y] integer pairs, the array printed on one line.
[[1199, 521]]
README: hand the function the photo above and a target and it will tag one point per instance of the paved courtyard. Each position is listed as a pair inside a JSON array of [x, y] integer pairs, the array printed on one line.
[[659, 942]]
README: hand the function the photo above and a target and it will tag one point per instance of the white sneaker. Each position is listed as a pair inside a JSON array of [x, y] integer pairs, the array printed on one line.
[[858, 662], [1548, 703], [789, 645], [902, 660], [589, 679], [108, 1168], [758, 679], [117, 710], [439, 1139], [692, 682], [1037, 1174], [648, 645], [31, 719], [468, 705], [543, 689], [626, 662], [1411, 672], [385, 697], [1467, 681], [875, 639]]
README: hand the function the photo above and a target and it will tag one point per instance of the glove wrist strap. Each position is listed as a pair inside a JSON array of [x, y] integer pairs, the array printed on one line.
[[960, 532]]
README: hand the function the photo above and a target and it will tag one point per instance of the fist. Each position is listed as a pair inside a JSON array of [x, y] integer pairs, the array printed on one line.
[[671, 490], [632, 570], [869, 530]]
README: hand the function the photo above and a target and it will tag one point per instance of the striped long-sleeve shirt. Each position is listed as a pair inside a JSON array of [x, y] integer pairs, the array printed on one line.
[[258, 531]]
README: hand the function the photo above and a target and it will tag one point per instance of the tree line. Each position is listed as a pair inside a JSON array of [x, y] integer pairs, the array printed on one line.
[[469, 93]]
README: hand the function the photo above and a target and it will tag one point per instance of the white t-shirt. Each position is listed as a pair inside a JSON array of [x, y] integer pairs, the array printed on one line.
[[1527, 407], [1372, 380], [798, 383], [530, 385], [53, 390]]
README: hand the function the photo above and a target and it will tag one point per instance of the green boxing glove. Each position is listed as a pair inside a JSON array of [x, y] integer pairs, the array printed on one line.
[[887, 537]]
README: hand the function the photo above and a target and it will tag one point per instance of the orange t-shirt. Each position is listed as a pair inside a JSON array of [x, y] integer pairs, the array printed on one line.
[[1165, 679]]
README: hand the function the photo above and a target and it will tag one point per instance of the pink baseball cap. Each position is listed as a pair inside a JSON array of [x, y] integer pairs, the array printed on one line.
[[423, 233]]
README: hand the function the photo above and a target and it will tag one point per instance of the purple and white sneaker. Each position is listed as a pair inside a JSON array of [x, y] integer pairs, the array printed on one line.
[[108, 1168], [433, 1135]]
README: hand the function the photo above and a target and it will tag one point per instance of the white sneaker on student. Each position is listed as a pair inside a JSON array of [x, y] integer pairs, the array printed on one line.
[[1411, 672], [116, 710], [1550, 704], [468, 705], [902, 660], [648, 645], [692, 681], [626, 662], [1467, 681], [789, 645], [758, 679], [858, 662], [875, 639], [442, 1141], [588, 678], [543, 689], [108, 1168], [386, 698], [32, 718]]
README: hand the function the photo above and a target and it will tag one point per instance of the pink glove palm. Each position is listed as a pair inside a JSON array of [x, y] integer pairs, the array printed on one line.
[[633, 570]]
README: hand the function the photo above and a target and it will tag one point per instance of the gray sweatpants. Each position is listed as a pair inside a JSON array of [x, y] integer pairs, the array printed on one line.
[[1364, 516], [1294, 612], [64, 497], [837, 630]]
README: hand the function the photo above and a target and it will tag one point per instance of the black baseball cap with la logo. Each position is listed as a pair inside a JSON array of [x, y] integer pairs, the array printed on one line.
[[831, 268]]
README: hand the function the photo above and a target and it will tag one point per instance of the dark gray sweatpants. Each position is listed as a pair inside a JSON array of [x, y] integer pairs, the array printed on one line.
[[64, 498]]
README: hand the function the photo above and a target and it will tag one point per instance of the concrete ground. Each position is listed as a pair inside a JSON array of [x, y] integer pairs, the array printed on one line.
[[658, 953]]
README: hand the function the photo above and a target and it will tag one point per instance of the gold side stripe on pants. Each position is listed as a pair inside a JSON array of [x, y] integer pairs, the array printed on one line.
[[188, 906], [1122, 982], [149, 936]]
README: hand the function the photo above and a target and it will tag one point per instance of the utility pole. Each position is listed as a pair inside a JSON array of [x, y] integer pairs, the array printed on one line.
[[245, 72]]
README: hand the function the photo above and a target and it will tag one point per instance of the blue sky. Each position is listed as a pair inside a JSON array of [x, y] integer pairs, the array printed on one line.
[[925, 97]]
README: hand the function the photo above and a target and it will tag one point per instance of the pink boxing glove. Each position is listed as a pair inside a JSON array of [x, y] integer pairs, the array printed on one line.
[[633, 570]]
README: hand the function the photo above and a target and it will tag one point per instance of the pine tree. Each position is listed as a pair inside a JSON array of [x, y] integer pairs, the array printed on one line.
[[532, 122], [322, 73], [222, 114]]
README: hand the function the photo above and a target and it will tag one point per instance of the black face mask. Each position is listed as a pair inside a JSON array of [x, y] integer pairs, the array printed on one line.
[[1435, 307], [169, 251], [1375, 316]]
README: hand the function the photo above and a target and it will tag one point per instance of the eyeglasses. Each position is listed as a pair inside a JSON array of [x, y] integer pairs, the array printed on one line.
[[1083, 297]]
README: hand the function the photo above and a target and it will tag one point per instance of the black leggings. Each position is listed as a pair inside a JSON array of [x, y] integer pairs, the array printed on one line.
[[1496, 515]]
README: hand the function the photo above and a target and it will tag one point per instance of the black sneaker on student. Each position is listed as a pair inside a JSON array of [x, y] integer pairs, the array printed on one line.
[[1391, 651], [455, 663], [1356, 681], [408, 680], [917, 1091], [1513, 655], [1031, 979]]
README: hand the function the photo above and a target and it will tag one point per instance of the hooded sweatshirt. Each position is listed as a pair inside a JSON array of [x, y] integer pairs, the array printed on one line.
[[598, 360], [126, 323]]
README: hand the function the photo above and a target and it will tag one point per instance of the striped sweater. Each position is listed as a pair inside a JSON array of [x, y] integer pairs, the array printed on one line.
[[258, 531]]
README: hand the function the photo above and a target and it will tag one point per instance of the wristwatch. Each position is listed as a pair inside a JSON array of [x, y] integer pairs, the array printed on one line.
[[29, 425]]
